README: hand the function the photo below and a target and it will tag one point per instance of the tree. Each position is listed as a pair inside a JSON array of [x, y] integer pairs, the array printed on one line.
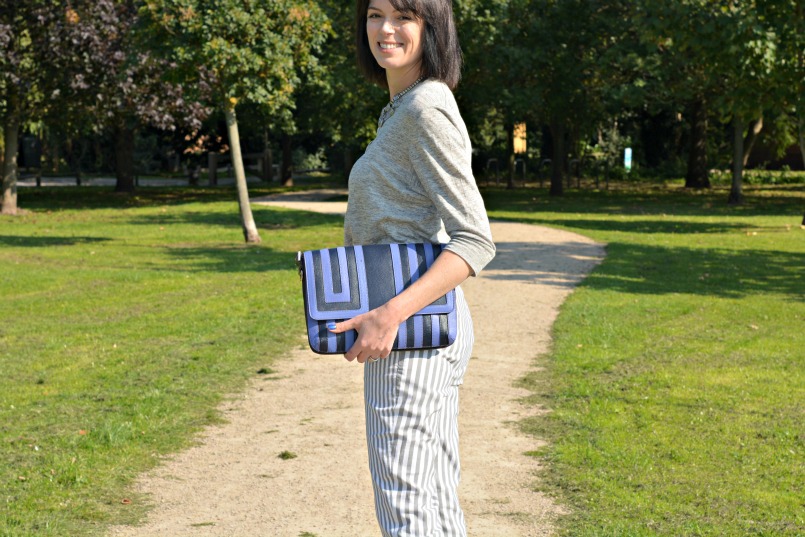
[[749, 76], [77, 68], [679, 35], [580, 44], [498, 82], [333, 104], [108, 79], [350, 104], [252, 51], [712, 61], [788, 20], [23, 75]]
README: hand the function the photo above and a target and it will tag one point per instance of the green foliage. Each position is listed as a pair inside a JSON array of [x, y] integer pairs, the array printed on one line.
[[587, 67], [548, 63], [584, 67], [340, 102], [309, 161], [23, 57], [726, 54], [247, 51]]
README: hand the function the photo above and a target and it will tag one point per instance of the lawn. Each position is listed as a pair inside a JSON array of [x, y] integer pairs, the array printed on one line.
[[125, 323], [676, 380], [677, 377]]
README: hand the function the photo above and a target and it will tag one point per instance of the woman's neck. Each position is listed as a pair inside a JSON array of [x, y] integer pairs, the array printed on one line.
[[399, 81]]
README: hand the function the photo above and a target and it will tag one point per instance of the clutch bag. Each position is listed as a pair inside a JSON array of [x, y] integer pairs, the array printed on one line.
[[341, 283]]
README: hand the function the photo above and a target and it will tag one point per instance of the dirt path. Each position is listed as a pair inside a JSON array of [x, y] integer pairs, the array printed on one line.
[[233, 483]]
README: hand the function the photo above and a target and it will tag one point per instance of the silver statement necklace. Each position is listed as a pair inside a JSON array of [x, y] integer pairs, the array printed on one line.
[[388, 110]]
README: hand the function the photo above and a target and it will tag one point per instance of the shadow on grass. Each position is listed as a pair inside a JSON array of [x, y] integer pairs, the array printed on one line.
[[656, 270], [96, 197], [231, 258], [266, 218], [649, 226], [648, 201], [104, 197], [34, 242]]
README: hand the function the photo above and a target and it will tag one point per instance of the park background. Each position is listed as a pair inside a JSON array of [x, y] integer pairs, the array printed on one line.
[[128, 312], [695, 89]]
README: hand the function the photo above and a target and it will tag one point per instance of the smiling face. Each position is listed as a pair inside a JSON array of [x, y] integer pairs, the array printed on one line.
[[395, 39]]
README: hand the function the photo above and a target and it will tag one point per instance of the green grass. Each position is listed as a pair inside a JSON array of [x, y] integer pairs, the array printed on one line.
[[677, 377], [675, 382], [125, 323]]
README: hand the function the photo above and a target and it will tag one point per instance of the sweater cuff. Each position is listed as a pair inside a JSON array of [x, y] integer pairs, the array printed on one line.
[[477, 255]]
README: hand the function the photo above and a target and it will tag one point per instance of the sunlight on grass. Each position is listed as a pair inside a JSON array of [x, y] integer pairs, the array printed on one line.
[[128, 322], [676, 380]]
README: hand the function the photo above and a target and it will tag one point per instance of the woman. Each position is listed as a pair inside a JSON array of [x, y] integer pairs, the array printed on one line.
[[415, 184]]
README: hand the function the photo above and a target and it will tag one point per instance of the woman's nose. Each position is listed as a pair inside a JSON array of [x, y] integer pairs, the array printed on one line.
[[388, 26]]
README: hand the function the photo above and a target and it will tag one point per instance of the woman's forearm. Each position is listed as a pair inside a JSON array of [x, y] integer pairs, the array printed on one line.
[[377, 328], [447, 272]]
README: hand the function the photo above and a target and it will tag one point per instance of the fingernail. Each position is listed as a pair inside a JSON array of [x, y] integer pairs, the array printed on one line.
[[330, 325]]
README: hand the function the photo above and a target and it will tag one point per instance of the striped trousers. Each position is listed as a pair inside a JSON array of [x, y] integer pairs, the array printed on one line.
[[412, 436]]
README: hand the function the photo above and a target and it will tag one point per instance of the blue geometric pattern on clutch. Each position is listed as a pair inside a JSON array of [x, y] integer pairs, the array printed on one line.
[[341, 283]]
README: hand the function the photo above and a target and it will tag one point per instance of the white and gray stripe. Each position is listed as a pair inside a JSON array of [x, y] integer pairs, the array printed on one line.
[[412, 436]]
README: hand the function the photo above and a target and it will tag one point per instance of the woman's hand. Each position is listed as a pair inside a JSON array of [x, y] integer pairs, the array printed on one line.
[[376, 329]]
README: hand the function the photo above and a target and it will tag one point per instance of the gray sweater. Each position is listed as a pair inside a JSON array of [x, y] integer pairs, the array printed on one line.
[[415, 183]]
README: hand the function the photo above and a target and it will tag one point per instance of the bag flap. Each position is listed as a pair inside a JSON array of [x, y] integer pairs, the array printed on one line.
[[341, 283], [333, 282]]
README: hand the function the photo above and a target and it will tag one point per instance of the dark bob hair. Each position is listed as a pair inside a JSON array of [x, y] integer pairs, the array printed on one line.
[[441, 53]]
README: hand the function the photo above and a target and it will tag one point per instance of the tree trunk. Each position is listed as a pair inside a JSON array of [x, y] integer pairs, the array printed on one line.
[[268, 165], [558, 158], [736, 196], [800, 18], [287, 168], [268, 159], [698, 174], [50, 153], [802, 136], [654, 136], [124, 158], [249, 227], [74, 157], [751, 137], [510, 160], [11, 132], [349, 162]]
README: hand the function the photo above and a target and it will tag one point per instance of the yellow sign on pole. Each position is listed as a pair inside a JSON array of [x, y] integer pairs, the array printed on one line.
[[519, 139]]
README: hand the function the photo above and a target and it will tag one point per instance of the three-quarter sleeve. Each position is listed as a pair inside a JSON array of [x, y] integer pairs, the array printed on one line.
[[440, 155]]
